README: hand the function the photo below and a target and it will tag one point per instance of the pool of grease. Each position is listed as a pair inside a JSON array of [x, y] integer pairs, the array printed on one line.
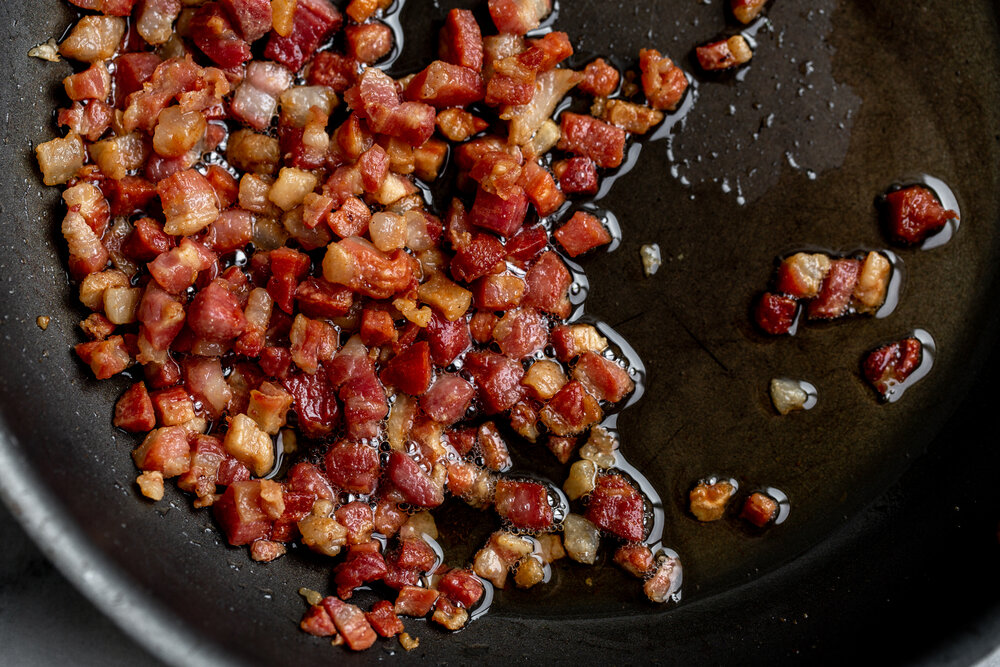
[[788, 152]]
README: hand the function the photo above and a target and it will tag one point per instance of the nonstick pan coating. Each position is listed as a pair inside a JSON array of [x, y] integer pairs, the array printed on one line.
[[845, 98]]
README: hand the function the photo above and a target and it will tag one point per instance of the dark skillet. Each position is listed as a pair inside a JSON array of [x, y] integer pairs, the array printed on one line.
[[913, 568]]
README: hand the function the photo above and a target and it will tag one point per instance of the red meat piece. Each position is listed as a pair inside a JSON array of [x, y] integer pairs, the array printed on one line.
[[412, 482], [541, 188], [602, 377], [462, 40], [617, 507], [579, 176], [571, 410], [447, 339], [443, 85], [462, 586], [410, 370], [357, 518], [892, 364], [252, 17], [581, 234], [240, 515], [524, 504], [518, 16], [912, 214], [360, 567], [448, 399], [134, 410], [353, 466], [212, 31], [835, 294], [215, 313], [497, 378], [128, 195], [589, 137], [333, 70], [315, 399], [351, 622], [548, 282], [482, 255], [415, 601], [384, 620], [314, 22], [599, 79]]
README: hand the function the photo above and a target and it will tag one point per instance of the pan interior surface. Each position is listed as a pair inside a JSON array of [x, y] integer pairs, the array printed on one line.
[[841, 100]]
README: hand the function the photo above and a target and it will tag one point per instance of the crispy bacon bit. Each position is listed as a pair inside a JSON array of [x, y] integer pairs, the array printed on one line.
[[215, 313], [212, 31], [890, 365], [663, 82], [775, 314], [416, 487], [60, 159], [602, 377], [177, 269], [384, 620], [495, 560], [746, 11], [444, 85], [93, 38], [572, 410], [94, 83], [524, 504], [353, 467], [317, 622], [462, 40], [582, 233], [215, 287], [356, 263], [415, 601], [912, 214], [368, 43], [350, 620], [314, 21], [801, 275], [708, 501], [759, 509], [665, 581], [448, 399], [593, 138], [724, 54], [497, 378], [134, 410], [545, 92], [362, 565], [155, 20], [249, 445], [151, 484], [165, 450], [548, 282], [599, 79], [189, 202], [835, 294], [873, 283], [256, 100], [206, 382], [617, 507], [633, 118], [518, 16], [462, 586]]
